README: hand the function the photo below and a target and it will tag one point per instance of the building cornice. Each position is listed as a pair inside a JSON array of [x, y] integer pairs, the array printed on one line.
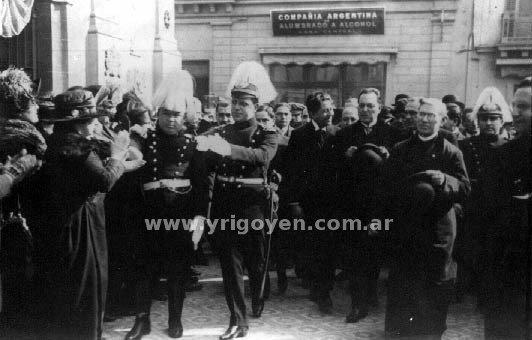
[[327, 50]]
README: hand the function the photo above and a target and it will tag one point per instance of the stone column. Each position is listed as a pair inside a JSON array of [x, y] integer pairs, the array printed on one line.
[[52, 45], [166, 56]]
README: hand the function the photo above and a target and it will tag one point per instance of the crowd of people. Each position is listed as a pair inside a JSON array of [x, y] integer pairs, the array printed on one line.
[[81, 171]]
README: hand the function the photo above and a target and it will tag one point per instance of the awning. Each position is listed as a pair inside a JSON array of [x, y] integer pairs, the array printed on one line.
[[14, 16], [326, 55], [514, 67]]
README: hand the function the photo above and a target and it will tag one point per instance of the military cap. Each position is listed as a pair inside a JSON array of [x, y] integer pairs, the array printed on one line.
[[297, 107], [245, 91], [489, 109]]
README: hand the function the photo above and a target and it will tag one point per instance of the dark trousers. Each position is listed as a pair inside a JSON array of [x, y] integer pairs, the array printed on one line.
[[322, 247], [363, 268], [239, 251], [168, 249]]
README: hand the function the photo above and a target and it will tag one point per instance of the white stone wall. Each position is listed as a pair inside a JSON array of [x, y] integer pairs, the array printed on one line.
[[103, 41], [431, 38]]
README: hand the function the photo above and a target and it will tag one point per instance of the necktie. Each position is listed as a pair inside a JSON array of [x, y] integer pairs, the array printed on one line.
[[322, 134]]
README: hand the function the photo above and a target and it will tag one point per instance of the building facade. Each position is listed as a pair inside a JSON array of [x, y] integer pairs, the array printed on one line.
[[418, 47], [423, 48], [130, 43]]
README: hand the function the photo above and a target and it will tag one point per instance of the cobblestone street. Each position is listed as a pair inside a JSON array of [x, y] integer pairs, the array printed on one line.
[[292, 316]]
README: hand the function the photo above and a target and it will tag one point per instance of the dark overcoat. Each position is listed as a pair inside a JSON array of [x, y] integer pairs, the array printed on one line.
[[71, 240]]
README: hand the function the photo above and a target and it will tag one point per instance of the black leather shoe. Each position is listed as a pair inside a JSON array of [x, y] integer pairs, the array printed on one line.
[[175, 331], [141, 327], [356, 315], [313, 296], [193, 286], [194, 272], [109, 317], [235, 332], [325, 304], [257, 308], [282, 283]]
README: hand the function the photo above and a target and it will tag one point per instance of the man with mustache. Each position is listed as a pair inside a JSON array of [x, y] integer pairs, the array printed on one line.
[[310, 195]]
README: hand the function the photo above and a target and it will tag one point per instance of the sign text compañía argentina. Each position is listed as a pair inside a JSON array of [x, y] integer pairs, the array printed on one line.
[[328, 21]]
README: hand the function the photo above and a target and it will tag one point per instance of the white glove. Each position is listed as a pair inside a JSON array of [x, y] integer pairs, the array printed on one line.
[[202, 143], [141, 130], [215, 143], [196, 228], [221, 146]]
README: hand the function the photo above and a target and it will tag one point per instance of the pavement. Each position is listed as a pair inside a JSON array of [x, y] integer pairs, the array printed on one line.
[[289, 317]]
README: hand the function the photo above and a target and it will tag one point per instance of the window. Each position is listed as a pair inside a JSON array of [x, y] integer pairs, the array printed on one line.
[[199, 69], [295, 82], [525, 8]]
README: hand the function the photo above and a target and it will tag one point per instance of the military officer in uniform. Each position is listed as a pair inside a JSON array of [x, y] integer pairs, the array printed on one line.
[[239, 155], [479, 152], [175, 186], [508, 241]]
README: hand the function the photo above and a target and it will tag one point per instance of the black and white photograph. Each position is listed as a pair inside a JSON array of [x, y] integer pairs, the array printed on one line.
[[265, 169]]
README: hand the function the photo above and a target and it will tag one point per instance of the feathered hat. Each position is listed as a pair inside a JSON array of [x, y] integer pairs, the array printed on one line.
[[16, 135], [250, 79], [16, 92], [491, 102], [176, 93]]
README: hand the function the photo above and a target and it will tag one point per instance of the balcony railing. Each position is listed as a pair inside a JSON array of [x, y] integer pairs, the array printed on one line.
[[516, 29]]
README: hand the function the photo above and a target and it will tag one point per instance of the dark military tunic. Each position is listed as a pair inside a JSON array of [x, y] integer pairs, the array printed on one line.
[[508, 241], [479, 153], [168, 157], [252, 149]]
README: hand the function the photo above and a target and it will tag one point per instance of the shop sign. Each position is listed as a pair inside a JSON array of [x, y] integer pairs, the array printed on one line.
[[328, 21]]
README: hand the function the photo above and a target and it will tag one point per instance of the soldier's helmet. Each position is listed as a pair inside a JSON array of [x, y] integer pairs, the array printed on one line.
[[491, 103], [251, 80], [175, 93]]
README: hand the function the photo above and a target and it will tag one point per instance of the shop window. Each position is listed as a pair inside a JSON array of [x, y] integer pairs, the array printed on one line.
[[294, 82], [199, 69]]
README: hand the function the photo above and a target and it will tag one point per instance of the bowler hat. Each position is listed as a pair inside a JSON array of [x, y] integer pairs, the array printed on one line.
[[399, 97], [451, 98]]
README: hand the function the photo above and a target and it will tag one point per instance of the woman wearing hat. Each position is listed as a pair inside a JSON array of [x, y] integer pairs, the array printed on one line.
[[71, 240]]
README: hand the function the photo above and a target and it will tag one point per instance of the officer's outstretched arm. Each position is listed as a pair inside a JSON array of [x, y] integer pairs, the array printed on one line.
[[260, 156]]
